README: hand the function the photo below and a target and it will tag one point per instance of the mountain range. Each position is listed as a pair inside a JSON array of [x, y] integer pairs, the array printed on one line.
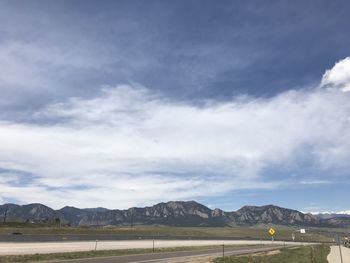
[[174, 213]]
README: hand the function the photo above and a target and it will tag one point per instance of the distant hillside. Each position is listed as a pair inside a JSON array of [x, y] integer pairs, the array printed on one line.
[[176, 213]]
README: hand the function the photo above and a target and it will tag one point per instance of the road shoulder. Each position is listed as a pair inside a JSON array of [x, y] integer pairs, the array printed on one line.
[[334, 255]]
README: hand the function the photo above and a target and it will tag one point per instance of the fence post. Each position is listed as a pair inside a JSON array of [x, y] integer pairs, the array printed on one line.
[[96, 244], [223, 252]]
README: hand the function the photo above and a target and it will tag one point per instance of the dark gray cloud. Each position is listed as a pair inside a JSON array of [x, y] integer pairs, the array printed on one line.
[[186, 50]]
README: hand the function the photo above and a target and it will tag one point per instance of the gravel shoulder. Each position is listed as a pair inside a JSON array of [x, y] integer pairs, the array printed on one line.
[[334, 255]]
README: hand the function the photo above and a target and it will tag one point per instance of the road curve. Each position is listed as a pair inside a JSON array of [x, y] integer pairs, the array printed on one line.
[[180, 256], [14, 248]]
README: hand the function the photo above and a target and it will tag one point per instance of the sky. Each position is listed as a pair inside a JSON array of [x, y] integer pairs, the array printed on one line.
[[130, 103]]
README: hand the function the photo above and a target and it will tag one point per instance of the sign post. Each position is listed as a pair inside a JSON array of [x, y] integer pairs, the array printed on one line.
[[272, 233]]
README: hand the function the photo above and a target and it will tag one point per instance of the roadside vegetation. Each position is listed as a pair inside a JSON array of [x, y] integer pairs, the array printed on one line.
[[305, 254], [282, 233], [103, 253]]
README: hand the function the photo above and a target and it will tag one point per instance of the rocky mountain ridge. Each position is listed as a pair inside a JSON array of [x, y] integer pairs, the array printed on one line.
[[174, 213]]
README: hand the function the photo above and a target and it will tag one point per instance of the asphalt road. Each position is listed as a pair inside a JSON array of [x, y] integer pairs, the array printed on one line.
[[106, 237], [181, 256]]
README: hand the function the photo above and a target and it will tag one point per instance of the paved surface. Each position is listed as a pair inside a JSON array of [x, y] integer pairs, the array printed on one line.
[[8, 237], [55, 247], [334, 255], [182, 256]]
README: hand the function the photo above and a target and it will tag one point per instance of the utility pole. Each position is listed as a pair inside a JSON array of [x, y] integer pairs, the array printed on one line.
[[5, 215], [131, 218]]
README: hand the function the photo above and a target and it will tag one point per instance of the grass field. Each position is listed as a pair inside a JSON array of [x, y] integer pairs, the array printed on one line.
[[282, 232], [100, 253], [306, 254]]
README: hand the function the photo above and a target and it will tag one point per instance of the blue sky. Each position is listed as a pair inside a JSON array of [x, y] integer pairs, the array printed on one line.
[[129, 103]]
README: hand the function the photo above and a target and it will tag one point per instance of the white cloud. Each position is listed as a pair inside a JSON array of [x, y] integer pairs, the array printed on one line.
[[338, 76], [314, 182], [132, 147], [344, 212]]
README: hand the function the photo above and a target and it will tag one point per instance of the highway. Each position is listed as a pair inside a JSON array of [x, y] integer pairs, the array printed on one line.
[[203, 255]]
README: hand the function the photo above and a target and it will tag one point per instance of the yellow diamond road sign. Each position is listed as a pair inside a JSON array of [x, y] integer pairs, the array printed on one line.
[[272, 231]]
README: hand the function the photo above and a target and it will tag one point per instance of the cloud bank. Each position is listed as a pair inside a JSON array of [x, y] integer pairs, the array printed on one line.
[[129, 146]]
